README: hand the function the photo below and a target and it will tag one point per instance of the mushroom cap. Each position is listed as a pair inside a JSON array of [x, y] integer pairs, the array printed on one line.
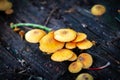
[[34, 35], [98, 10], [65, 35], [4, 5], [73, 58], [9, 11], [80, 37], [62, 55], [85, 44], [84, 76], [86, 59], [49, 44], [75, 67], [70, 45]]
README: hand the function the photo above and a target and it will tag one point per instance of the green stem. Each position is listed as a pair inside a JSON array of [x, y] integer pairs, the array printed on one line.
[[31, 25]]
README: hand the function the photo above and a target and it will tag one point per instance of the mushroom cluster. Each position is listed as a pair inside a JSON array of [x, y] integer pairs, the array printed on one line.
[[84, 61], [59, 45], [6, 6]]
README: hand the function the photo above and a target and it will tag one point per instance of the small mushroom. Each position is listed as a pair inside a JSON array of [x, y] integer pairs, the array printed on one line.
[[34, 35], [9, 11], [65, 35], [84, 76], [70, 45], [75, 67], [6, 6], [85, 44], [73, 58], [80, 37], [85, 59], [49, 44], [62, 55], [98, 10]]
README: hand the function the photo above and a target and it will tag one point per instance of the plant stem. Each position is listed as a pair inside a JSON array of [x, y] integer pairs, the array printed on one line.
[[102, 67], [30, 25]]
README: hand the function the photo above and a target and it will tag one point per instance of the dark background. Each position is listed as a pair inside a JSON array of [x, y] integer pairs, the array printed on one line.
[[105, 30]]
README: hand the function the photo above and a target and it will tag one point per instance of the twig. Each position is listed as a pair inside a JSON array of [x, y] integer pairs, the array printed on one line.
[[49, 16]]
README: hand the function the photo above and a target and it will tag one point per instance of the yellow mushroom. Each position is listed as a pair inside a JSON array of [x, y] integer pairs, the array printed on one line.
[[73, 58], [75, 67], [34, 35], [70, 45], [49, 45], [85, 44], [86, 59], [65, 35], [80, 37], [62, 55], [98, 10], [9, 11], [84, 76], [4, 5]]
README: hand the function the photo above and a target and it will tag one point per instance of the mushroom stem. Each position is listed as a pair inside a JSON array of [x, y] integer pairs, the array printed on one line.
[[102, 67], [30, 25]]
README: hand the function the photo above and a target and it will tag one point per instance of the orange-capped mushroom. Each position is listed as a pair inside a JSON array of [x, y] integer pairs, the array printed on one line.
[[70, 45], [84, 76], [4, 5], [34, 35], [73, 58], [62, 55], [98, 10], [49, 44], [86, 59], [75, 67], [80, 37], [85, 44], [65, 35]]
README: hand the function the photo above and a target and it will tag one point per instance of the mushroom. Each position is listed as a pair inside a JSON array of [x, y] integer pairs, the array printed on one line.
[[6, 6], [49, 44], [75, 67], [70, 45], [98, 10], [34, 35], [85, 44], [73, 58], [85, 59], [84, 76], [9, 11], [80, 37], [65, 35], [62, 55]]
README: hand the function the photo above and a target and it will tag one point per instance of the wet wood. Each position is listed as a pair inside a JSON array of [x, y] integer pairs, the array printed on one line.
[[23, 60]]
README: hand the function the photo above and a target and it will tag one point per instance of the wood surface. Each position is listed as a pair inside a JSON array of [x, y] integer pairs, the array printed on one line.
[[20, 60]]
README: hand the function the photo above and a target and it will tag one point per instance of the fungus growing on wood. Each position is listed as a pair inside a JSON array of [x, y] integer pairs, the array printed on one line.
[[75, 67], [62, 55], [70, 45], [73, 58], [6, 6], [84, 76], [98, 10], [85, 44], [65, 35], [34, 35], [85, 59], [9, 11], [49, 44], [80, 37]]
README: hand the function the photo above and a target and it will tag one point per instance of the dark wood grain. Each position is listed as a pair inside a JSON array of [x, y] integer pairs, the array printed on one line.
[[20, 59]]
